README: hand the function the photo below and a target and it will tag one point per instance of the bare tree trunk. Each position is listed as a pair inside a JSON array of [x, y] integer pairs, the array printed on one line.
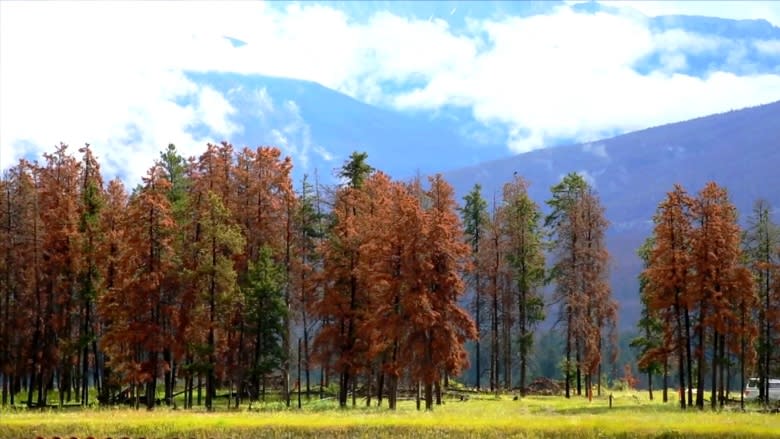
[[650, 384], [714, 369], [380, 387], [689, 357], [666, 380]]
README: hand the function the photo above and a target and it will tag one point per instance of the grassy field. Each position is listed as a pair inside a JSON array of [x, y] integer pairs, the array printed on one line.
[[632, 416]]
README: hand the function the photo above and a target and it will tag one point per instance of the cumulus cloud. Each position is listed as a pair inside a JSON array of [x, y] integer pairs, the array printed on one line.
[[768, 47], [114, 74]]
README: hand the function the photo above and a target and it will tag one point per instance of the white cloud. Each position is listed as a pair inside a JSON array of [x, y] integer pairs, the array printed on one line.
[[111, 73], [768, 47]]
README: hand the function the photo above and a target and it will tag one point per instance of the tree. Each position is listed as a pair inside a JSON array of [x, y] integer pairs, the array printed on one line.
[[91, 234], [577, 228], [446, 333], [493, 261], [720, 284], [22, 303], [175, 171], [526, 260], [308, 259], [761, 241], [216, 279], [668, 275], [652, 354], [475, 217], [265, 308], [136, 336], [695, 273], [112, 252], [342, 306], [55, 339]]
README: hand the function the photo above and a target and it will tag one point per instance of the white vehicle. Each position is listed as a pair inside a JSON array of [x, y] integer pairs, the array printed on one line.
[[751, 389]]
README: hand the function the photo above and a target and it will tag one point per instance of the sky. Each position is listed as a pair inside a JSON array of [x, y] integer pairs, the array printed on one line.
[[115, 74]]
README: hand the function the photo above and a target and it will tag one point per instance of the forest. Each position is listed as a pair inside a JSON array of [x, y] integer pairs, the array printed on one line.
[[217, 274]]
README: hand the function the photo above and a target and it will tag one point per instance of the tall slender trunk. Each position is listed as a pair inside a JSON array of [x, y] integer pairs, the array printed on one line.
[[380, 387], [700, 334], [494, 372], [211, 377], [650, 384], [666, 381], [369, 382], [688, 356], [577, 349], [306, 363], [724, 372], [168, 376], [714, 370], [521, 317], [478, 313], [680, 350], [567, 372]]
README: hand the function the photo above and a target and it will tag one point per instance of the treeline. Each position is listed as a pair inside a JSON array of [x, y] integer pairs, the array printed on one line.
[[508, 255], [207, 272], [710, 296]]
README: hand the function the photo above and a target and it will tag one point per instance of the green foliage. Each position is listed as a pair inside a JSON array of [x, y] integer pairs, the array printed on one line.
[[266, 311], [474, 216], [356, 170], [650, 326], [564, 195]]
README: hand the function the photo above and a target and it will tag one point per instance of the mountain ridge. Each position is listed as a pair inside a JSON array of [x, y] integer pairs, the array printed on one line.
[[632, 173]]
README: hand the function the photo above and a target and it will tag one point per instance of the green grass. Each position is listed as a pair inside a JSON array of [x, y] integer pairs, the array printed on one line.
[[632, 416]]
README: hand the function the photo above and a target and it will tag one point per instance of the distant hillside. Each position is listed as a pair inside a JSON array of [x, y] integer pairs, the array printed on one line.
[[632, 173], [320, 127]]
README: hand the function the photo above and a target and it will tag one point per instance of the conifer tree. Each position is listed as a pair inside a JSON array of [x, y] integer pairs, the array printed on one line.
[[475, 217], [526, 260], [761, 242]]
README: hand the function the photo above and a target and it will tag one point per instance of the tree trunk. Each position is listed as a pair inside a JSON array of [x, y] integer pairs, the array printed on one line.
[[714, 370], [650, 385], [417, 394], [478, 312], [168, 377], [343, 383], [428, 396], [369, 380], [700, 333], [567, 367], [680, 352], [578, 360], [380, 387], [521, 317], [688, 356], [666, 381], [724, 372]]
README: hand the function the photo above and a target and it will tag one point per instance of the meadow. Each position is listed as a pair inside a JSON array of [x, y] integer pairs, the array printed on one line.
[[632, 415]]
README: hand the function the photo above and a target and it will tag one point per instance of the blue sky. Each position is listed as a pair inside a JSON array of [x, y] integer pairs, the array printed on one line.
[[115, 74]]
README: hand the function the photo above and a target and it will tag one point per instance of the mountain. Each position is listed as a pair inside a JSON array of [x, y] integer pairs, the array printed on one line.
[[632, 173], [320, 127]]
